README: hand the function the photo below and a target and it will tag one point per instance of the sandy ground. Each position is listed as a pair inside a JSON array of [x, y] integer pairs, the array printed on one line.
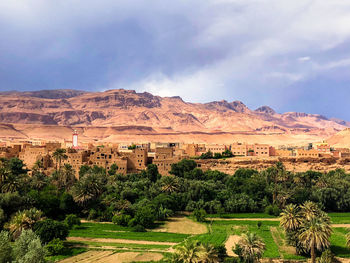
[[231, 243], [242, 219], [182, 225], [95, 256], [87, 257], [280, 242], [341, 225], [122, 241], [131, 257]]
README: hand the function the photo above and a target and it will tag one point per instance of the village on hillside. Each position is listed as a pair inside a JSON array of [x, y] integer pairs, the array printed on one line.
[[134, 157]]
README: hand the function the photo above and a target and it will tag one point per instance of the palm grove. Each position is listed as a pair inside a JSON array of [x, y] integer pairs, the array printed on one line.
[[32, 206]]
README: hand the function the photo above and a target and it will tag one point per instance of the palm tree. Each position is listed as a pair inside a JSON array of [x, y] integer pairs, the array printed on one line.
[[314, 235], [11, 184], [87, 188], [23, 220], [66, 178], [188, 252], [347, 236], [290, 218], [169, 184], [38, 166], [59, 155], [251, 247], [309, 210], [208, 254]]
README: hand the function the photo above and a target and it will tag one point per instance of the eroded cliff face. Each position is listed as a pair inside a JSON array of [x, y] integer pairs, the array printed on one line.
[[129, 108]]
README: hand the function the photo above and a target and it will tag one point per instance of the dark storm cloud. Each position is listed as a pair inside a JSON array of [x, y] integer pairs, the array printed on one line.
[[277, 53]]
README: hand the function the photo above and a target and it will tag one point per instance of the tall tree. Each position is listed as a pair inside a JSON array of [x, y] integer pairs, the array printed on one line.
[[59, 155], [251, 247], [23, 220], [315, 234], [290, 218], [188, 252]]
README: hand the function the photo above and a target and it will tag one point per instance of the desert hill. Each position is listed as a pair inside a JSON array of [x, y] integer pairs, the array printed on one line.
[[125, 115], [340, 139]]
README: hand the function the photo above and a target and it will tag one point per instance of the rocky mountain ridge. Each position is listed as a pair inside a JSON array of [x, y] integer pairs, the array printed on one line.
[[121, 107]]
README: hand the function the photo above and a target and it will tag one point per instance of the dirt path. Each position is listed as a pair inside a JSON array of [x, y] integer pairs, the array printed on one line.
[[262, 219], [87, 257], [122, 241], [182, 225], [131, 257], [231, 243], [242, 219], [341, 225], [95, 256], [279, 241]]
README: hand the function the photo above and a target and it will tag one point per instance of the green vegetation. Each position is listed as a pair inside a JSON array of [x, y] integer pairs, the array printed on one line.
[[119, 245], [135, 204], [243, 215], [96, 230], [69, 252]]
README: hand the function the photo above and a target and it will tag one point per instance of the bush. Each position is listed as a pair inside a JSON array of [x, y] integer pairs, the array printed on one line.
[[5, 247], [55, 247], [50, 229], [145, 216], [92, 214], [222, 252], [28, 248], [272, 210], [72, 220], [138, 228], [199, 215], [121, 220]]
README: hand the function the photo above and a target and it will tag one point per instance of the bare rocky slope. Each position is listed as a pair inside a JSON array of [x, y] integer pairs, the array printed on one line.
[[124, 115]]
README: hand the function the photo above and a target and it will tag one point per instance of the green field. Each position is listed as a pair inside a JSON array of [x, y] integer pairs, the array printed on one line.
[[340, 218], [241, 215], [119, 245], [70, 252], [218, 233], [98, 230], [221, 230]]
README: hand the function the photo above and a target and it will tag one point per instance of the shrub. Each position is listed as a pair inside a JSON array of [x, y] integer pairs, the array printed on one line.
[[92, 214], [72, 220], [138, 228], [145, 216], [327, 257], [272, 210], [55, 247], [50, 229], [199, 215], [5, 247], [121, 219], [28, 248], [259, 224]]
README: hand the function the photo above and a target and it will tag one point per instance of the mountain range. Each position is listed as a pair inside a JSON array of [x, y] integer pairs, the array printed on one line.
[[124, 115]]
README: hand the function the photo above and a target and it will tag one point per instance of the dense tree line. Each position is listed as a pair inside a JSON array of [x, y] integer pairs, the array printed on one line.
[[140, 199], [49, 206]]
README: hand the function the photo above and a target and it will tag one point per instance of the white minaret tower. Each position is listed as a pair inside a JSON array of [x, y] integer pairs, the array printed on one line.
[[75, 139]]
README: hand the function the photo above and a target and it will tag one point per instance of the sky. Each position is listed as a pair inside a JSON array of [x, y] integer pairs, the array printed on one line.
[[290, 55]]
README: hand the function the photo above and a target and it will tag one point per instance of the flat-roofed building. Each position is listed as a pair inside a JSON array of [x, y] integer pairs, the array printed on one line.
[[30, 154], [106, 157], [262, 150], [164, 158], [283, 153], [239, 149], [216, 148], [306, 153]]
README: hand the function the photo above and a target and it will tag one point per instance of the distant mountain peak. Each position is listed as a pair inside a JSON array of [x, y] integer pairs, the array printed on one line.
[[47, 94], [265, 109]]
